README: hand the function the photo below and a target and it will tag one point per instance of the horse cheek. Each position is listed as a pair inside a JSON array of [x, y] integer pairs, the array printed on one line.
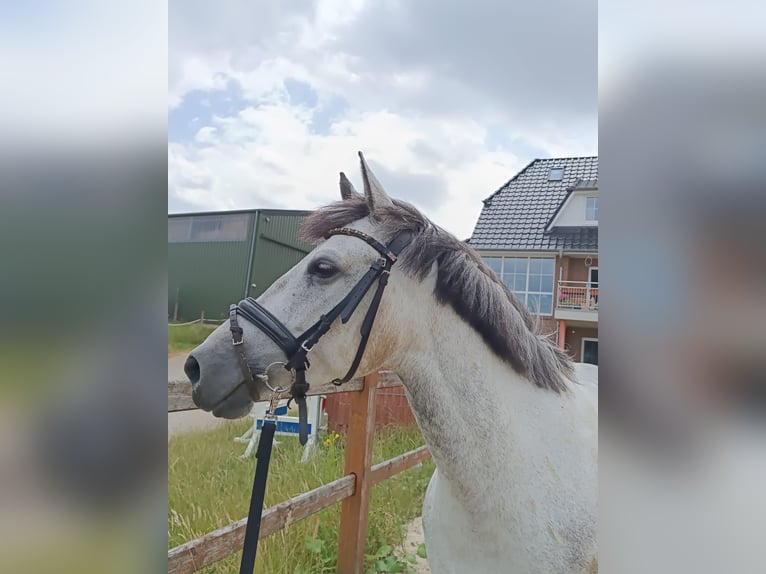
[[385, 342]]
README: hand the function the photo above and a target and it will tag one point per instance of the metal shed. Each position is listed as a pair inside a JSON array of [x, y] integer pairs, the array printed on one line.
[[217, 258]]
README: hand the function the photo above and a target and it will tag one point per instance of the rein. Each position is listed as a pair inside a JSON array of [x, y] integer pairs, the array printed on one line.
[[296, 350]]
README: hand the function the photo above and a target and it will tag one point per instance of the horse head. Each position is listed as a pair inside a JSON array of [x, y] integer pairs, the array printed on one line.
[[227, 377]]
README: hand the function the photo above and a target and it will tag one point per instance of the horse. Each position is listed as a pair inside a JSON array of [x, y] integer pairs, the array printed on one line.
[[511, 422]]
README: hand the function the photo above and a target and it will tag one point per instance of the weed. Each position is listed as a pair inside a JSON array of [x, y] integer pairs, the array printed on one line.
[[186, 337]]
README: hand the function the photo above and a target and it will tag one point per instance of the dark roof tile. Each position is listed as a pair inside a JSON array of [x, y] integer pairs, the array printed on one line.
[[515, 216]]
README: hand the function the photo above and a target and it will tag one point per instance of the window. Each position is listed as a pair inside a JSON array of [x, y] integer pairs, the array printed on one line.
[[178, 229], [556, 174], [589, 351], [592, 291], [529, 278], [591, 209], [494, 263], [202, 228], [593, 276], [207, 227]]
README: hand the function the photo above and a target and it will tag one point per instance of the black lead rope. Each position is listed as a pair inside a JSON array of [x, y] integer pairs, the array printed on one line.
[[253, 528], [298, 391], [296, 351]]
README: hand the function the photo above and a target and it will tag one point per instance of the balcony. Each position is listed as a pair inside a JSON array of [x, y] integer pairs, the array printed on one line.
[[577, 301]]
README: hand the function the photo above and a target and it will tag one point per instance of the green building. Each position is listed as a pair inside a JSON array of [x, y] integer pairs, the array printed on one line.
[[218, 258]]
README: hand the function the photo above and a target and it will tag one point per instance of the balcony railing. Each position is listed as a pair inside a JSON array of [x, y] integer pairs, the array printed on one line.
[[578, 295]]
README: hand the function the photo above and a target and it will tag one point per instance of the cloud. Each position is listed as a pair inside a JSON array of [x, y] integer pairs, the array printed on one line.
[[425, 189], [250, 161], [447, 102], [521, 60]]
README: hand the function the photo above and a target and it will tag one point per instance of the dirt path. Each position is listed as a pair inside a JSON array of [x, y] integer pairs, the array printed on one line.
[[412, 539]]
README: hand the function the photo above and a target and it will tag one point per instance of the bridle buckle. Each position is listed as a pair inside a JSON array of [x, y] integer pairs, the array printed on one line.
[[306, 348]]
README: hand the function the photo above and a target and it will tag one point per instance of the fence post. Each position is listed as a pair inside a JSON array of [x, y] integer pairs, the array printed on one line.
[[175, 305], [353, 514]]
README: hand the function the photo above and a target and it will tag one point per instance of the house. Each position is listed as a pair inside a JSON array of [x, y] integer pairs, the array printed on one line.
[[539, 233]]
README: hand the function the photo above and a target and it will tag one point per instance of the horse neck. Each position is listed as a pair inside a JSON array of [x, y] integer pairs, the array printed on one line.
[[470, 405]]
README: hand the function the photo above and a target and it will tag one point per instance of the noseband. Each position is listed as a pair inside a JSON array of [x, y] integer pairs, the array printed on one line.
[[296, 349]]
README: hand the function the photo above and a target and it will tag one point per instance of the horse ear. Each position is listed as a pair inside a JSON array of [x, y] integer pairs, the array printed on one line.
[[347, 190], [376, 197]]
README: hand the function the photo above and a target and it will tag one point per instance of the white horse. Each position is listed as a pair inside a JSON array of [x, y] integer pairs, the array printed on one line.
[[510, 422]]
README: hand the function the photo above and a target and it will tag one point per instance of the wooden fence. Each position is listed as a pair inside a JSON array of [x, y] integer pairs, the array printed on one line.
[[352, 490]]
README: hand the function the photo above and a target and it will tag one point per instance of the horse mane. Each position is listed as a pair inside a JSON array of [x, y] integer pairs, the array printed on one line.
[[464, 282]]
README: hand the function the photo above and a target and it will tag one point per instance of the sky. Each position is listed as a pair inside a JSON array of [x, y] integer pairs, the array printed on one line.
[[269, 101]]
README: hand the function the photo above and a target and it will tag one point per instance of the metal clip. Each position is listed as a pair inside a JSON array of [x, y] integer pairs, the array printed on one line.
[[273, 402]]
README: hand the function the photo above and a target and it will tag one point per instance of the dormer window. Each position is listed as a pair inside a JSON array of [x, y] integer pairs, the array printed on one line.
[[556, 174], [591, 209]]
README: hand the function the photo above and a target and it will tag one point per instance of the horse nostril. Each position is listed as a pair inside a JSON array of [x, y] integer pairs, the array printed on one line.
[[191, 368]]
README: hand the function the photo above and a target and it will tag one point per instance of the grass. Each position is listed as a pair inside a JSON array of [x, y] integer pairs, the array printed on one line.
[[186, 337], [209, 487]]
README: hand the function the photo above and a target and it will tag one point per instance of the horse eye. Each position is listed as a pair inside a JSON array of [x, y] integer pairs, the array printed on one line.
[[322, 269]]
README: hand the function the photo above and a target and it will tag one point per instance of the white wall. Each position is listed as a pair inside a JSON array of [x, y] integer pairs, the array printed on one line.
[[573, 214]]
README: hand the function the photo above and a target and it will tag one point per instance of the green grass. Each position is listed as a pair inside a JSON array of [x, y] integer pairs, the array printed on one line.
[[186, 337], [209, 487]]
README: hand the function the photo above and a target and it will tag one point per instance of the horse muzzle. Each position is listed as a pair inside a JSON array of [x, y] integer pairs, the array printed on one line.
[[218, 386]]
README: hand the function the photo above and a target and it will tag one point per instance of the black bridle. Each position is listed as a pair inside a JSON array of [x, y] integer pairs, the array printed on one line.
[[296, 349]]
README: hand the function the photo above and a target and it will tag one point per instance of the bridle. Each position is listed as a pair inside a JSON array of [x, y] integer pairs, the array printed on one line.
[[296, 349]]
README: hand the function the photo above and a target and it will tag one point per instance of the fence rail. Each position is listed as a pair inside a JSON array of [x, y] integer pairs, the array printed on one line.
[[219, 544], [201, 321], [180, 399], [352, 490]]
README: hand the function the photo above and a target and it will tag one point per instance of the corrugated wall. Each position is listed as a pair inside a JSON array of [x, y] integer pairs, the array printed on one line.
[[209, 275], [206, 276], [277, 248]]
